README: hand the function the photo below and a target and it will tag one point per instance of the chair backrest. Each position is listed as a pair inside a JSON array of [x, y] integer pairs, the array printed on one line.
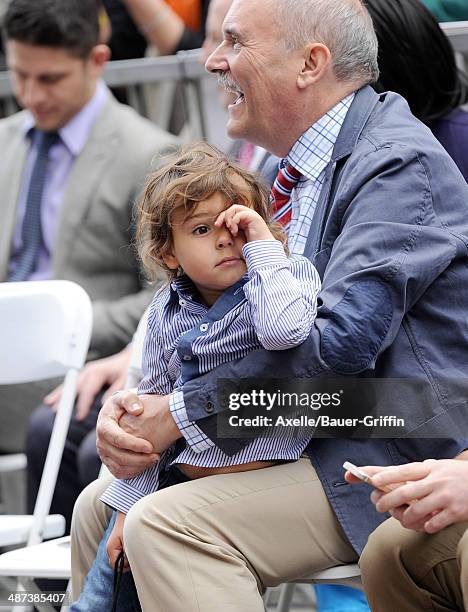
[[45, 329]]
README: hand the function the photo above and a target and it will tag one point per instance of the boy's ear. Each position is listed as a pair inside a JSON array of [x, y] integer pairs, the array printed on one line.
[[170, 260]]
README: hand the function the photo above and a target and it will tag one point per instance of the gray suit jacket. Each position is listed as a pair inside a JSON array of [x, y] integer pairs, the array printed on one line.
[[95, 230]]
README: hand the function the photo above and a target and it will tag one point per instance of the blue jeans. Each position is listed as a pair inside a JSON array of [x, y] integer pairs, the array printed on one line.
[[98, 588]]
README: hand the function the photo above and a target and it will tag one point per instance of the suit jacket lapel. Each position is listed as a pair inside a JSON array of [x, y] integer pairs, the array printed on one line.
[[355, 120], [14, 152], [83, 182]]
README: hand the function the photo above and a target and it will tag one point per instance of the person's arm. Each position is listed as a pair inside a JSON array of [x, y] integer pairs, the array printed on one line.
[[281, 293], [158, 23]]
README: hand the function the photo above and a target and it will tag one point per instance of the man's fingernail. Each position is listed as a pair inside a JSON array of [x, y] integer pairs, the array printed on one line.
[[136, 406]]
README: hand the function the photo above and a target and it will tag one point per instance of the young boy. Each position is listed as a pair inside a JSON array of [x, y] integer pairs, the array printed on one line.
[[233, 289]]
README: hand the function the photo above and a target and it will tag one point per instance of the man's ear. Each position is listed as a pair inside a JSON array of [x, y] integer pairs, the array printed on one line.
[[316, 61], [170, 260], [99, 56]]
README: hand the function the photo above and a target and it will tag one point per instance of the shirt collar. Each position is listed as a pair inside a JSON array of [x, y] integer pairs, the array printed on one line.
[[312, 151], [183, 288], [75, 133]]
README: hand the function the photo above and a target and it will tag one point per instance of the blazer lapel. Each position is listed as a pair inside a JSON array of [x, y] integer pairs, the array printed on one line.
[[83, 182], [14, 152]]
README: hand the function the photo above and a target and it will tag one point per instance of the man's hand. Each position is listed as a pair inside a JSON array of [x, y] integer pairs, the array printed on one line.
[[114, 544], [431, 494], [132, 430], [93, 377], [124, 454]]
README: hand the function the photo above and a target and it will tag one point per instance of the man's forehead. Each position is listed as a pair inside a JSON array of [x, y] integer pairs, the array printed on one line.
[[243, 16]]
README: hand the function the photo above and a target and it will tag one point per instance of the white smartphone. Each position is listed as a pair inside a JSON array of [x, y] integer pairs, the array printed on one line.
[[355, 471]]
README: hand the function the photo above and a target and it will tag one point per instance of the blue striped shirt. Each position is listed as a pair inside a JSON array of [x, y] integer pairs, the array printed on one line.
[[273, 307]]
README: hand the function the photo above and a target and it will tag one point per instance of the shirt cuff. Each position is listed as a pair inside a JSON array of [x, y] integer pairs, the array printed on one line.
[[121, 496], [194, 436], [264, 253]]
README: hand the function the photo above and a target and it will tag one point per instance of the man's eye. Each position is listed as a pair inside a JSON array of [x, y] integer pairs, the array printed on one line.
[[236, 44], [201, 229]]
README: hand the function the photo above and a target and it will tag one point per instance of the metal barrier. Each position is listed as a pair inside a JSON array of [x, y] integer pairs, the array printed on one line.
[[198, 87]]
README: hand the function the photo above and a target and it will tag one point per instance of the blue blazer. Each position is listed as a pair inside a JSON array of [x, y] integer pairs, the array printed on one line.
[[390, 241]]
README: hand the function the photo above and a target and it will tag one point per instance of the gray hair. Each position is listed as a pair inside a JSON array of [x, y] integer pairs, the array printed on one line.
[[344, 26]]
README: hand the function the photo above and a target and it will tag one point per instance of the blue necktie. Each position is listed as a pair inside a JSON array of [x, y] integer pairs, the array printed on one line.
[[31, 232]]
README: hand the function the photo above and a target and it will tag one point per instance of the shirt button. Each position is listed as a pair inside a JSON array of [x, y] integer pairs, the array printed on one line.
[[209, 407], [187, 358], [182, 302], [204, 326]]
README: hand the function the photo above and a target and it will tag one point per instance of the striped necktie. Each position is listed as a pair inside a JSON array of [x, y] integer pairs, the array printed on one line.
[[31, 231], [286, 179]]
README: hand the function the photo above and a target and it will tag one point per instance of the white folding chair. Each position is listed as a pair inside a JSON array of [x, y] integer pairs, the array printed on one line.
[[52, 559], [45, 329], [348, 575]]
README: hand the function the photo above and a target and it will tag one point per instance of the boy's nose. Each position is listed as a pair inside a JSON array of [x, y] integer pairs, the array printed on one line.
[[224, 238]]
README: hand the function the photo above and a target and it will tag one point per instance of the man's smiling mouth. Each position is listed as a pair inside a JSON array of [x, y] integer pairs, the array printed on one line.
[[231, 86]]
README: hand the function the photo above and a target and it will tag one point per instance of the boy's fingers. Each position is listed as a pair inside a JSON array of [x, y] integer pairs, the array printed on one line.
[[220, 219]]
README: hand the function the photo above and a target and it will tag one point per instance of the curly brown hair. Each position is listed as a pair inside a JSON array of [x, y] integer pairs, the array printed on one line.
[[189, 176]]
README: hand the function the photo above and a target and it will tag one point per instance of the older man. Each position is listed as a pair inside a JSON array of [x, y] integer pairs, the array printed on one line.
[[380, 208]]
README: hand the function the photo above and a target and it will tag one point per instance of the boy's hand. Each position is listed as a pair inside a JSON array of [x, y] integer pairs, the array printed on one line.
[[115, 542], [238, 217]]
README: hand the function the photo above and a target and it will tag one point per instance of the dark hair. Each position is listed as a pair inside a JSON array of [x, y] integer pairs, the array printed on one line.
[[72, 25], [416, 59], [190, 175]]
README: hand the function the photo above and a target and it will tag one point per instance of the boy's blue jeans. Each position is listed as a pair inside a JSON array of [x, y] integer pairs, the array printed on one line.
[[98, 589]]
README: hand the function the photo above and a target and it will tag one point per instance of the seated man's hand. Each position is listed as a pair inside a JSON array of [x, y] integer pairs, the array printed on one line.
[[114, 544], [154, 422], [125, 454], [428, 495], [94, 376]]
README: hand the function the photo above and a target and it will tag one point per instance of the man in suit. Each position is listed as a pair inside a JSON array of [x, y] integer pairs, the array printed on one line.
[[381, 210], [72, 165]]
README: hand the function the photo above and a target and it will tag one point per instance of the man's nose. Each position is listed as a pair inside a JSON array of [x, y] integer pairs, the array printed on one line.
[[216, 61], [32, 93]]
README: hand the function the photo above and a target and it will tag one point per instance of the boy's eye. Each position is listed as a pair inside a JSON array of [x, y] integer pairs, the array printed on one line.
[[201, 229]]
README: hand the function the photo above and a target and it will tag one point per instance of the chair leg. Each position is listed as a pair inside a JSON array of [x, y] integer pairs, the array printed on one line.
[[286, 597]]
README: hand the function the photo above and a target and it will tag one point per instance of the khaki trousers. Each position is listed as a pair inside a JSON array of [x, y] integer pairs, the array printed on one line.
[[410, 572], [215, 543]]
